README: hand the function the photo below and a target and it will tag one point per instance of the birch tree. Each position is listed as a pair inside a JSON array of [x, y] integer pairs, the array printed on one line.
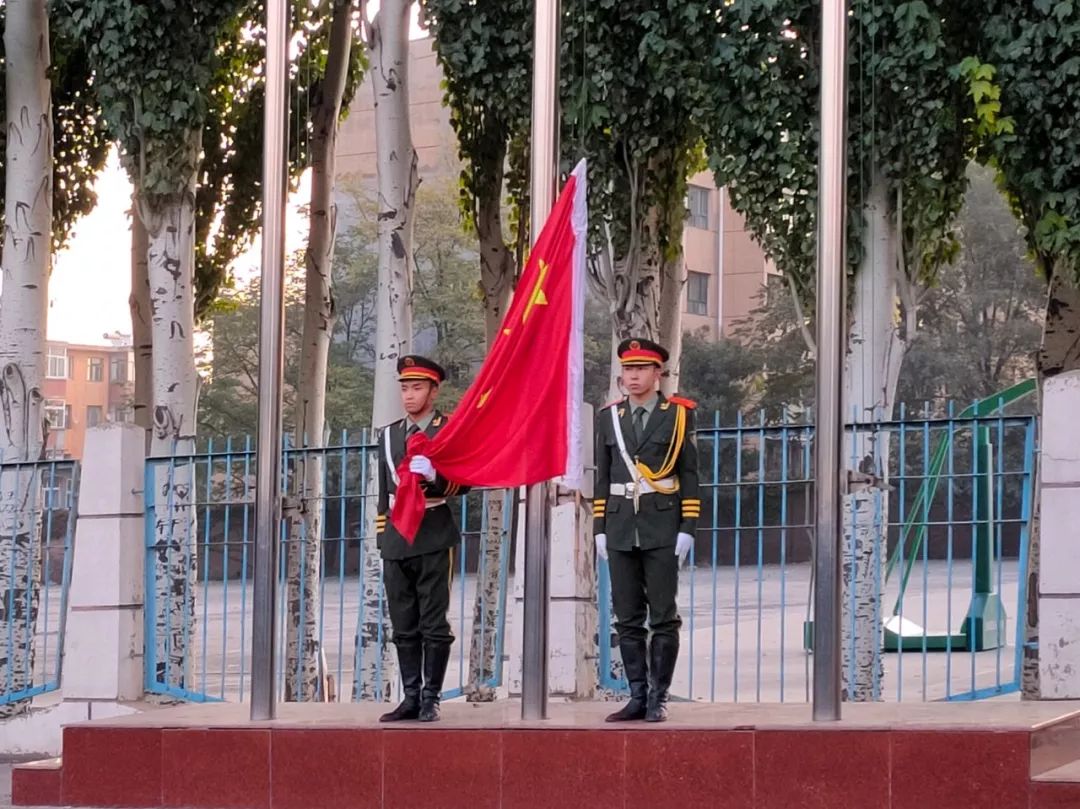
[[387, 37], [908, 148], [1023, 99], [485, 51], [43, 200], [154, 66], [304, 561], [26, 262]]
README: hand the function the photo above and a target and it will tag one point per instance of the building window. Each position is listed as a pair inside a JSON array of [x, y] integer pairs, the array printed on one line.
[[58, 363], [93, 415], [697, 293], [119, 414], [697, 203], [95, 369], [57, 414], [118, 369]]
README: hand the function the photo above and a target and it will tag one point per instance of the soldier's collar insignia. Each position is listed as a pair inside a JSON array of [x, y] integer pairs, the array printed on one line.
[[665, 405], [622, 411], [436, 421]]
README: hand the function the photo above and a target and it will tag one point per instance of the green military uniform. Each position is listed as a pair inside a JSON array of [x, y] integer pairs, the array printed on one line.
[[642, 514], [417, 575]]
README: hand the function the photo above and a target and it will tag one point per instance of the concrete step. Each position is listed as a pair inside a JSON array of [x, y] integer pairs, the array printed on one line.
[[1055, 745], [36, 783], [1054, 795], [1066, 773]]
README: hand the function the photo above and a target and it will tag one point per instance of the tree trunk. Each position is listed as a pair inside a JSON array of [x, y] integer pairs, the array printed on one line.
[[142, 338], [498, 266], [497, 271], [26, 265], [875, 352], [635, 293], [170, 225], [397, 182], [304, 547], [1059, 353], [673, 280]]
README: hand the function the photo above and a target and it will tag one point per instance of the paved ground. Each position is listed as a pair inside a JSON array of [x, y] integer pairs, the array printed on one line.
[[743, 629]]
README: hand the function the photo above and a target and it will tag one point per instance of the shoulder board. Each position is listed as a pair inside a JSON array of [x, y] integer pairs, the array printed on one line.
[[681, 400]]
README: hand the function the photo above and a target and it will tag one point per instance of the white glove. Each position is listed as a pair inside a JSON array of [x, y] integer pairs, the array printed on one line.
[[421, 465], [683, 544], [601, 546]]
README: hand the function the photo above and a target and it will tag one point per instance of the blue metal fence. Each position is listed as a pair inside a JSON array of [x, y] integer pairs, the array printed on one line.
[[949, 500], [35, 570], [218, 622]]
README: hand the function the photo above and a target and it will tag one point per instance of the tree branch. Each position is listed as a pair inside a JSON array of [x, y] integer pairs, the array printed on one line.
[[804, 327]]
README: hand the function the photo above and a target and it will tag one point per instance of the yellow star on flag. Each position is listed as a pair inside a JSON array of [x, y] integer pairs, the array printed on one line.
[[537, 297]]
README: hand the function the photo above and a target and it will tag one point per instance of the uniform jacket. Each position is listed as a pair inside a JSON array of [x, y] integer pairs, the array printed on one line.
[[439, 529], [661, 517]]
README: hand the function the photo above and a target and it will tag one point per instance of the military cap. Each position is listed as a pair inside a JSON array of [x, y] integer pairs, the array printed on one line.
[[413, 367], [639, 351]]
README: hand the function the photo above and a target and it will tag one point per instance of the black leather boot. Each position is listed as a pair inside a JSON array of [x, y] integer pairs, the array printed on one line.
[[663, 652], [410, 659], [436, 658], [636, 668]]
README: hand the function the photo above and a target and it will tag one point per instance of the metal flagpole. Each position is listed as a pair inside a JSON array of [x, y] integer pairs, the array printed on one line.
[[831, 319], [543, 178], [271, 323]]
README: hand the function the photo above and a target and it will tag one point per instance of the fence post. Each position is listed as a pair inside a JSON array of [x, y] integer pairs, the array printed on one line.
[[103, 659], [1058, 551]]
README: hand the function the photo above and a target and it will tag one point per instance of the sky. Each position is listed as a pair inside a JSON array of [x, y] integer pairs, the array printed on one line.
[[91, 278]]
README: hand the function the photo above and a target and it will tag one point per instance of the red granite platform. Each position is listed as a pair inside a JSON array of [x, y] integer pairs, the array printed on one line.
[[1007, 755]]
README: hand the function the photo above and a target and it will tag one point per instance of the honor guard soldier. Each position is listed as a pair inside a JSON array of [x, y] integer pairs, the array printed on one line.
[[417, 575], [645, 512]]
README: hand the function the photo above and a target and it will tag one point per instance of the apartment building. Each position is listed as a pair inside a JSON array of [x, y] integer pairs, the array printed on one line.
[[86, 385], [725, 268]]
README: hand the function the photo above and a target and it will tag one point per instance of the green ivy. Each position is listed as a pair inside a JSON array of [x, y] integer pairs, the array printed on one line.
[[166, 70], [154, 66], [906, 121], [1023, 97], [485, 50], [635, 84]]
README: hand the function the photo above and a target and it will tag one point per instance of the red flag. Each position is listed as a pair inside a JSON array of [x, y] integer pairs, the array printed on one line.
[[520, 421]]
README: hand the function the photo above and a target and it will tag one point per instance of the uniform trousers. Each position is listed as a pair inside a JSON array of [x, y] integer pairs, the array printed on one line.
[[418, 594], [644, 584]]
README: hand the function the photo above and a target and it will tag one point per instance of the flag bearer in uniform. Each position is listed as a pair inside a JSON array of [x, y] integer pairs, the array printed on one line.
[[645, 513], [417, 575]]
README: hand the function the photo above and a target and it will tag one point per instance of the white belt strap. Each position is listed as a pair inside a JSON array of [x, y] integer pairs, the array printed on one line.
[[642, 487], [390, 460], [620, 439]]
